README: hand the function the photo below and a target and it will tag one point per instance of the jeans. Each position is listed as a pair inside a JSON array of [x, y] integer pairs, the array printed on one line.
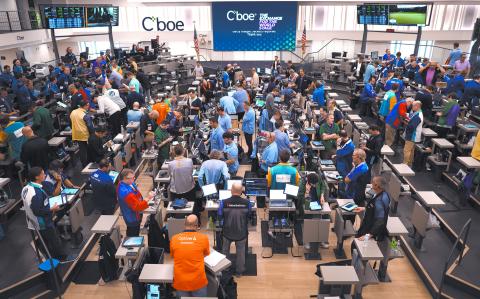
[[240, 246], [197, 293]]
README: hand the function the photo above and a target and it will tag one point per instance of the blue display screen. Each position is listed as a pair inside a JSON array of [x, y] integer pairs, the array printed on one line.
[[254, 26]]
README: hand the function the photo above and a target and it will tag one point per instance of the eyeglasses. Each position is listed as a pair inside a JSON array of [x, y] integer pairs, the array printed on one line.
[[130, 178]]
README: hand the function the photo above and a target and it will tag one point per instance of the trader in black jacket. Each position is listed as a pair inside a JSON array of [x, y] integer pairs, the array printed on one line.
[[302, 82], [234, 211], [95, 148], [373, 149], [426, 98], [104, 193], [34, 150]]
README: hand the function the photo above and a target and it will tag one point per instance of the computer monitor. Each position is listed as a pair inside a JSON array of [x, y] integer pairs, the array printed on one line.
[[374, 55], [268, 71], [277, 194], [153, 291], [303, 139], [256, 186], [209, 189], [133, 242], [231, 182], [336, 55]]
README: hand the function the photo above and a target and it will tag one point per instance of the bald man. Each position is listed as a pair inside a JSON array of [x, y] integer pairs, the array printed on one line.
[[235, 211], [34, 150], [188, 250]]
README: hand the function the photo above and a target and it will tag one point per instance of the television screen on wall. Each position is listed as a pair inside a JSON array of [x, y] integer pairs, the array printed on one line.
[[58, 17], [397, 14], [254, 26], [100, 16]]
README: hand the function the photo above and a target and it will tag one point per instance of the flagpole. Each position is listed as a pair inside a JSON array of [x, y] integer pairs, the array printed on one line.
[[197, 50], [304, 45]]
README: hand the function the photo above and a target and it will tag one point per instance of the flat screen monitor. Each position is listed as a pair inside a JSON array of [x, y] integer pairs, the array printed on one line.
[[153, 291], [58, 17], [256, 186], [408, 14], [100, 16], [254, 25], [133, 242], [374, 55], [268, 71]]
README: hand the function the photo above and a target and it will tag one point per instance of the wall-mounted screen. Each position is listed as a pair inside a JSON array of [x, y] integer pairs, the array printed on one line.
[[398, 14], [58, 17], [254, 26], [100, 16]]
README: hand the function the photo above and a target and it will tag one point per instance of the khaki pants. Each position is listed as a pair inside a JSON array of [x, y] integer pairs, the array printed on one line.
[[408, 152], [389, 135]]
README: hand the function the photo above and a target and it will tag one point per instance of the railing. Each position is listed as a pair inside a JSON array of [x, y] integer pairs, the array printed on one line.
[[451, 257], [11, 21]]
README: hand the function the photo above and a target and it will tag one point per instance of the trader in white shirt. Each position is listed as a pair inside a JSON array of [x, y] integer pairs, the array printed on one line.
[[255, 79], [112, 110], [198, 71]]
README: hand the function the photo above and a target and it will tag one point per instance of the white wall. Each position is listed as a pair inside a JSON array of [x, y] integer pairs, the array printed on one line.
[[9, 5]]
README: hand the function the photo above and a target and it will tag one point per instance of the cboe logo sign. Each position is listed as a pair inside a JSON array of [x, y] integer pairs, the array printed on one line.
[[149, 24]]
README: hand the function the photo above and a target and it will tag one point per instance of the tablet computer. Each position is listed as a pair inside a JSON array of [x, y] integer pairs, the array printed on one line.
[[349, 206], [209, 189], [57, 200], [70, 191], [133, 241], [315, 206]]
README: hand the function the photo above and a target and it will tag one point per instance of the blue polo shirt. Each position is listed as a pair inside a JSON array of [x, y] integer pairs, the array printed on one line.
[[232, 153], [248, 121], [455, 55], [228, 103], [225, 122], [216, 139], [282, 141], [270, 156], [241, 96]]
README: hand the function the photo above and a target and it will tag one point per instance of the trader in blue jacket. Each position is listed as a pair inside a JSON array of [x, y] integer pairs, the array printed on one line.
[[367, 97], [104, 193], [216, 135], [344, 154]]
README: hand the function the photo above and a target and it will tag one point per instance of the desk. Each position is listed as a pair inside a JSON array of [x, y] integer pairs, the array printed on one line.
[[469, 162], [403, 170], [156, 273], [56, 141], [354, 117], [430, 199], [333, 95], [180, 212], [337, 277], [282, 209], [442, 143], [89, 169], [368, 250], [387, 150], [104, 224], [324, 211], [427, 132], [395, 227], [343, 201], [127, 256]]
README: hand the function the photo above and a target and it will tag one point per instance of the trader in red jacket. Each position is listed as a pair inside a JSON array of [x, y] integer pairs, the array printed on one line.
[[131, 202]]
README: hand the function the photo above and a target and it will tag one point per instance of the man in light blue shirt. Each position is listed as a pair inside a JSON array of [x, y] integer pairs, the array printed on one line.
[[370, 71], [214, 171], [216, 135], [135, 114], [318, 95], [241, 96], [224, 120], [248, 126], [455, 55], [270, 154], [228, 103], [231, 152], [281, 138]]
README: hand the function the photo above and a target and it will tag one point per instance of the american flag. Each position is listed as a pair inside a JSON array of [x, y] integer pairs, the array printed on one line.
[[304, 39], [195, 40]]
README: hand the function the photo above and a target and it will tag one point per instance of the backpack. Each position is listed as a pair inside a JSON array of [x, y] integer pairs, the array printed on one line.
[[157, 237], [107, 263], [227, 288]]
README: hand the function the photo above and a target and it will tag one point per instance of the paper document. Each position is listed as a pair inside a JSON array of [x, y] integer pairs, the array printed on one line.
[[213, 258]]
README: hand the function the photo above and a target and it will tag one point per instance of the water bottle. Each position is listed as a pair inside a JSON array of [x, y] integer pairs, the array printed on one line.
[[365, 240], [210, 223]]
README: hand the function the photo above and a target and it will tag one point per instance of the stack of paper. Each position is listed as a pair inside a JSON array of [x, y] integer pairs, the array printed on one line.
[[213, 258]]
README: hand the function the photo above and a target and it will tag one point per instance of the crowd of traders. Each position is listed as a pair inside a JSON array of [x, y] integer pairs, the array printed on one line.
[[122, 95]]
